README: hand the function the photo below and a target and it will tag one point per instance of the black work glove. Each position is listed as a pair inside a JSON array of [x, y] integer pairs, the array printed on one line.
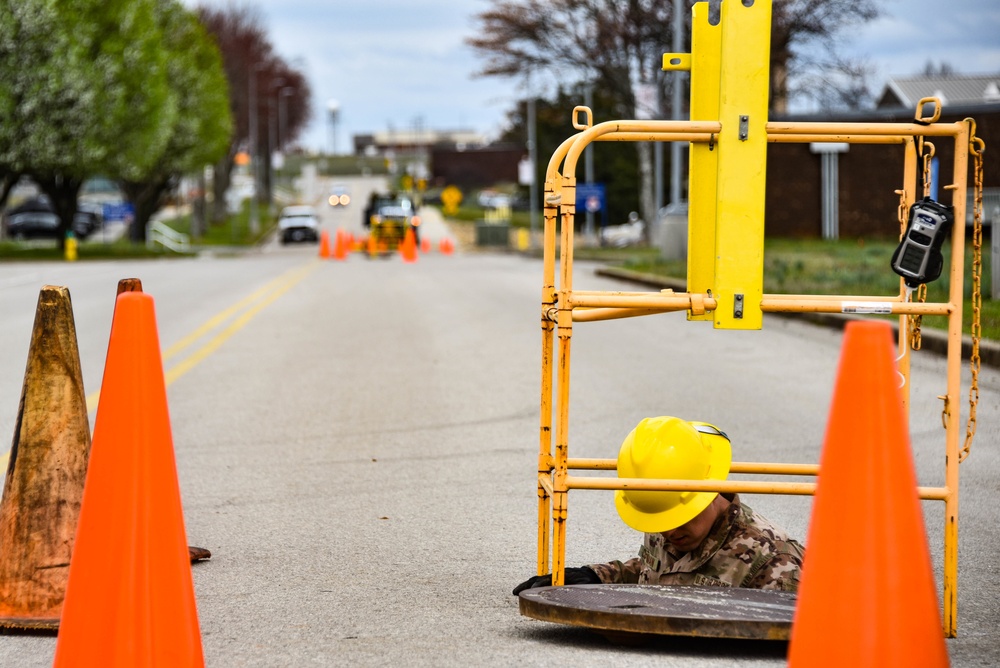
[[574, 576]]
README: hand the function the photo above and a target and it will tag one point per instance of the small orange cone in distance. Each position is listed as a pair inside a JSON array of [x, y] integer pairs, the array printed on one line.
[[408, 249], [425, 245], [141, 612], [43, 488], [445, 246], [874, 604], [324, 244], [340, 246]]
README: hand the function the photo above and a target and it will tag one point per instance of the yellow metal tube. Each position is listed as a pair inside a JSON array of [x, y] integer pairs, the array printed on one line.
[[844, 306], [861, 129], [958, 187], [679, 301], [598, 314], [735, 467]]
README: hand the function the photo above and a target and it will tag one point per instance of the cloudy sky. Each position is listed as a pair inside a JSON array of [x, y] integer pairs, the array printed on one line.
[[398, 64]]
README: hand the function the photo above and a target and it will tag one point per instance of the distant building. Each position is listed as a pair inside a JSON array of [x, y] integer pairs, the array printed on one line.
[[415, 141], [954, 90], [864, 177]]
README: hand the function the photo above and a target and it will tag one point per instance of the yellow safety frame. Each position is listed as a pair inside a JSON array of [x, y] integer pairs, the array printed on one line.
[[561, 306]]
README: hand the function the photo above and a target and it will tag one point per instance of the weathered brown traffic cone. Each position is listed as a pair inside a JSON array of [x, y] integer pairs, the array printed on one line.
[[135, 285], [46, 472]]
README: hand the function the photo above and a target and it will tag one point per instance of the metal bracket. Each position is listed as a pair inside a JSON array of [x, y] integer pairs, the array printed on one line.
[[744, 127], [738, 306]]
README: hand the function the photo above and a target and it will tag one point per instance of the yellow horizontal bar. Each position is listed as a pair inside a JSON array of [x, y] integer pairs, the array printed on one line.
[[703, 137], [721, 486], [856, 298], [849, 129], [674, 301], [735, 467], [727, 486], [837, 306], [781, 138], [598, 314]]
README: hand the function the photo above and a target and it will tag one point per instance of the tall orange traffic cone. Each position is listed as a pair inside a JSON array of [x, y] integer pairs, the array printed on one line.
[[142, 612], [876, 606], [340, 247], [324, 244], [408, 249], [46, 472]]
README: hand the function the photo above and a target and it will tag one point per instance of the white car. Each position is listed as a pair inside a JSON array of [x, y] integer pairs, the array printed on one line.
[[298, 223], [340, 195]]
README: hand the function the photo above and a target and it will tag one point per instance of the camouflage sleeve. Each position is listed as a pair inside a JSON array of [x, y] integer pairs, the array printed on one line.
[[781, 571], [617, 572]]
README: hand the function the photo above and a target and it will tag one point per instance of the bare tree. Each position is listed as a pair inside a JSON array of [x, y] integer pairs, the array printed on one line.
[[247, 52], [804, 51], [618, 45]]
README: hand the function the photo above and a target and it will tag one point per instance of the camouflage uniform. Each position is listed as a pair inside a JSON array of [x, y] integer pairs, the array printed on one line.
[[743, 549]]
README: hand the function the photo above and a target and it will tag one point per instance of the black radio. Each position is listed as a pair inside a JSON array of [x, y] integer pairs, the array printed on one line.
[[918, 257]]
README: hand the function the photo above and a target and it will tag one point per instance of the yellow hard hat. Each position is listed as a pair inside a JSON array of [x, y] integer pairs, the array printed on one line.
[[670, 448]]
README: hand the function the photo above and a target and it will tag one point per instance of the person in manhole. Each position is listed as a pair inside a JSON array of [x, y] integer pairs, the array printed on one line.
[[691, 538]]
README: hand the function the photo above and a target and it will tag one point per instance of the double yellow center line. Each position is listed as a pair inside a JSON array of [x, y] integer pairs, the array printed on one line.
[[237, 316]]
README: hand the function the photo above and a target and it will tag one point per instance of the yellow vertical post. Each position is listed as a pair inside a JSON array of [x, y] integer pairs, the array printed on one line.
[[960, 172], [550, 217], [739, 235], [706, 67]]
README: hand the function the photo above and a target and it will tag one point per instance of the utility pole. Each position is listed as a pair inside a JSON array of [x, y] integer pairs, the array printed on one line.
[[252, 102], [676, 157], [588, 163], [533, 159]]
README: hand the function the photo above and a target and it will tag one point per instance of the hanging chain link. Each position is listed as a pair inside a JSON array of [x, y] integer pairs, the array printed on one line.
[[977, 147]]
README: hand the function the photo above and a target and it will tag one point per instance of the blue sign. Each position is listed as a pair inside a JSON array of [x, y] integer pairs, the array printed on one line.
[[591, 198], [118, 211]]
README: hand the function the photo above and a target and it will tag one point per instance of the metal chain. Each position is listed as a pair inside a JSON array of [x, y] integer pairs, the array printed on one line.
[[977, 147]]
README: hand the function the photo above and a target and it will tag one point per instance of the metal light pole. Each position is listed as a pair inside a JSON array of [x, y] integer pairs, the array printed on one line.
[[675, 147], [333, 108], [252, 111], [283, 116], [533, 159], [588, 164]]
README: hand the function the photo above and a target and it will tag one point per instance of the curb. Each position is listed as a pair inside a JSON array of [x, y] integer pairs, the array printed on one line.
[[932, 340]]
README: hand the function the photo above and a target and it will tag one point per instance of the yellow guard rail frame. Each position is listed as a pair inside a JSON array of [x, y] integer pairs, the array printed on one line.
[[725, 279]]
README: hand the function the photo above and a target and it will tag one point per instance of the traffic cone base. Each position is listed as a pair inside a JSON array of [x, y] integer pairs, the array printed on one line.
[[43, 489], [867, 595], [324, 244], [141, 612]]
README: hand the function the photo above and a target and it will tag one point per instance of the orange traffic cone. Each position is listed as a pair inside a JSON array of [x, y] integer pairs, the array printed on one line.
[[46, 472], [142, 612], [445, 246], [135, 285], [324, 244], [879, 607], [370, 242], [425, 246], [408, 249], [340, 246]]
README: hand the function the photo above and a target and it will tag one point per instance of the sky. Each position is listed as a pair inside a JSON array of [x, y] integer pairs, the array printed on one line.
[[403, 64]]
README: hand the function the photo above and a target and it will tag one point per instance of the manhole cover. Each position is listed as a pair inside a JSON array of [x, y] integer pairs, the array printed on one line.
[[665, 610]]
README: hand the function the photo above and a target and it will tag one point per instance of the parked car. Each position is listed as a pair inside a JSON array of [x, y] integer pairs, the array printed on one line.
[[298, 223], [36, 219]]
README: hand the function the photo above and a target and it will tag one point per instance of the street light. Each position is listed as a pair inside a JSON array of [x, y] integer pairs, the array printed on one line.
[[252, 102], [333, 107], [283, 115]]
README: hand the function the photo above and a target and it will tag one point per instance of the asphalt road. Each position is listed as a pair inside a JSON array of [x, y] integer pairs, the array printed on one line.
[[356, 444]]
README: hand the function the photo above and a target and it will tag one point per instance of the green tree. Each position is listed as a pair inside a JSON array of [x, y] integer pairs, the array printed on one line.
[[202, 128], [83, 91]]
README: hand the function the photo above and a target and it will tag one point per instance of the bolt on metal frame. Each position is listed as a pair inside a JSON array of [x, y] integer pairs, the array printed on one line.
[[561, 306]]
